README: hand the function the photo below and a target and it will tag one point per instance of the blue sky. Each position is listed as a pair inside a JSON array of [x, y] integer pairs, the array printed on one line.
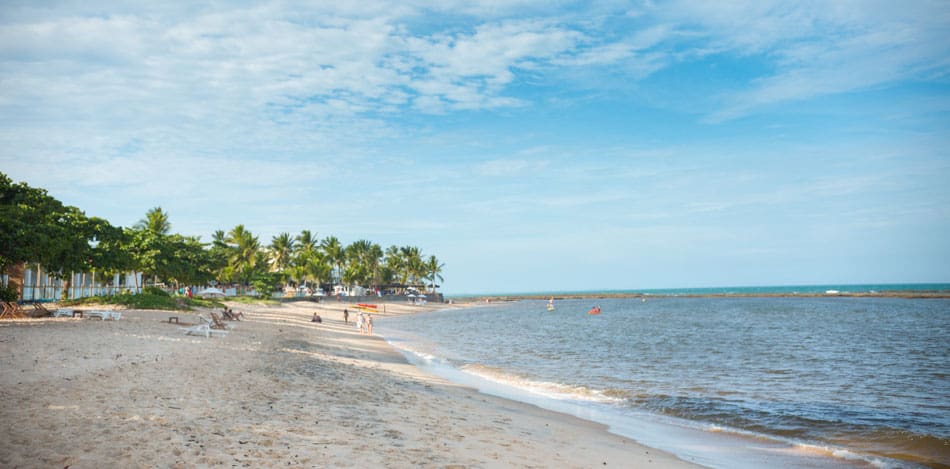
[[528, 145]]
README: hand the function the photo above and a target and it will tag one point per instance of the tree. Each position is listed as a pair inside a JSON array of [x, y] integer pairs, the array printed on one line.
[[412, 264], [363, 260], [334, 253], [149, 245], [245, 254], [281, 252], [37, 228], [433, 271], [155, 221]]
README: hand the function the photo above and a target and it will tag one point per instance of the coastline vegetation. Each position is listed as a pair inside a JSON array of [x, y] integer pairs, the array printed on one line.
[[37, 229]]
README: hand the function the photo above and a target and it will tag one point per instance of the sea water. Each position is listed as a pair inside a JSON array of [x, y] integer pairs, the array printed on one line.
[[725, 382]]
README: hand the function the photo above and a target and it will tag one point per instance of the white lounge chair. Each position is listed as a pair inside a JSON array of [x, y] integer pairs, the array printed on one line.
[[63, 313], [201, 329], [114, 315]]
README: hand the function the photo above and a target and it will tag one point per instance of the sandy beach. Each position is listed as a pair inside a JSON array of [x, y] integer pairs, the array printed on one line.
[[276, 391]]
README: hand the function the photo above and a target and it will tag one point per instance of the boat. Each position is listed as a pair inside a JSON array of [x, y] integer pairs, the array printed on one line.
[[551, 304]]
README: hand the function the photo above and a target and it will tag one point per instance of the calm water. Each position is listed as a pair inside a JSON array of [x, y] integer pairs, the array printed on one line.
[[815, 382]]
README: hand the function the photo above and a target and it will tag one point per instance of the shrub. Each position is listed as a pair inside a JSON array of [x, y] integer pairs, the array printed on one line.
[[9, 293], [155, 291]]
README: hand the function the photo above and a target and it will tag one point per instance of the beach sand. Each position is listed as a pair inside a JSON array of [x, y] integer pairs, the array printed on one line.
[[277, 391]]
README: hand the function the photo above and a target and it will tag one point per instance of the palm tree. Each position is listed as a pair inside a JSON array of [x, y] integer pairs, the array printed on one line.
[[411, 264], [244, 255], [334, 252], [364, 257], [306, 241], [153, 231], [281, 248], [434, 271], [312, 266], [307, 260], [155, 221]]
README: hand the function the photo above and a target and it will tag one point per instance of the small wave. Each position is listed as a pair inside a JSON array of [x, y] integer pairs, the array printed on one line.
[[546, 388]]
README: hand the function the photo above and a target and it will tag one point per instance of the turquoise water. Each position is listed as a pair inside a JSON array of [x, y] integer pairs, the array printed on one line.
[[790, 382], [746, 290]]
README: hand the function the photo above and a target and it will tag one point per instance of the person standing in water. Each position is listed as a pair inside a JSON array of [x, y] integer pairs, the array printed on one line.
[[369, 324]]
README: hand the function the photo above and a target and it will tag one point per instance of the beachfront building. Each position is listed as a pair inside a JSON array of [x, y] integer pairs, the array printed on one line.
[[36, 284]]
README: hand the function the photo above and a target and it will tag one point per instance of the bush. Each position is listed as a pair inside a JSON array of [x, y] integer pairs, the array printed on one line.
[[9, 293], [155, 291], [148, 299]]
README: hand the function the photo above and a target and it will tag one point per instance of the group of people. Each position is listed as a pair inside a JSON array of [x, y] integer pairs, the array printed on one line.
[[364, 321]]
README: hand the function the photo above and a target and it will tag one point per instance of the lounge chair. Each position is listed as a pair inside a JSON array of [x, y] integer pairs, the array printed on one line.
[[63, 313], [40, 311], [12, 310], [201, 329], [114, 315], [217, 323]]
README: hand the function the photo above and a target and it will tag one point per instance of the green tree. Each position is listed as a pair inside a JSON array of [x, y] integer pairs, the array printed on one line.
[[433, 271], [334, 253], [245, 254], [363, 261], [281, 251], [155, 221]]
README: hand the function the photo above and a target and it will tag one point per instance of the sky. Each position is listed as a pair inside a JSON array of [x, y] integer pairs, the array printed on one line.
[[528, 145]]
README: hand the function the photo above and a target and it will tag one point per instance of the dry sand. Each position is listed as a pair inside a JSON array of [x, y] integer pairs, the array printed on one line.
[[277, 391]]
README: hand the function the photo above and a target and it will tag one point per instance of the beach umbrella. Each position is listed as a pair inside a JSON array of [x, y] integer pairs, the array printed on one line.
[[210, 292]]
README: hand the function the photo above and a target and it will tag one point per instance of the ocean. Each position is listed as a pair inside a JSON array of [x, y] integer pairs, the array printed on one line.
[[727, 382]]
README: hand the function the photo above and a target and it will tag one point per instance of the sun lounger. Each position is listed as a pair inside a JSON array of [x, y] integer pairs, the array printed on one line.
[[113, 315], [63, 313], [40, 311], [12, 310], [217, 323], [201, 329]]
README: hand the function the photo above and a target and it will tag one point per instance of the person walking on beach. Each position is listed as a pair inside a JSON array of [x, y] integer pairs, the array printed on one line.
[[360, 323], [369, 324], [346, 316]]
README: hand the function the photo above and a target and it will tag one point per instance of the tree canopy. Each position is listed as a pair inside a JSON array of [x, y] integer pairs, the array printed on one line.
[[38, 229]]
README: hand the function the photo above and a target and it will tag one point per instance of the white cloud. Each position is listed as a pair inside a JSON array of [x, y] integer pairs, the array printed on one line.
[[819, 48]]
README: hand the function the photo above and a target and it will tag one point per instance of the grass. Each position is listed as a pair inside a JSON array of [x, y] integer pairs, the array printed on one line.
[[252, 300], [148, 300]]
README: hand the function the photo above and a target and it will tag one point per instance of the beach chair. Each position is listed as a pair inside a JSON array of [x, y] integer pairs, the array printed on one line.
[[113, 315], [217, 323], [40, 311], [63, 313], [12, 310], [201, 329]]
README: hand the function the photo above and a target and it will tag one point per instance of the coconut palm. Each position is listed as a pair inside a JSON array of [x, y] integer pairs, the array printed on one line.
[[306, 242], [155, 221], [312, 267], [433, 271], [244, 256], [334, 252], [411, 264], [363, 259], [281, 250]]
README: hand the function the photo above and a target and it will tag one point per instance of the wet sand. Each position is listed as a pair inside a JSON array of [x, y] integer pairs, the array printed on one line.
[[277, 390]]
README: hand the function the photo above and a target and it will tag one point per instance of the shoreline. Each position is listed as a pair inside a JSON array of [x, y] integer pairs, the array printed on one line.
[[277, 390], [909, 294]]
